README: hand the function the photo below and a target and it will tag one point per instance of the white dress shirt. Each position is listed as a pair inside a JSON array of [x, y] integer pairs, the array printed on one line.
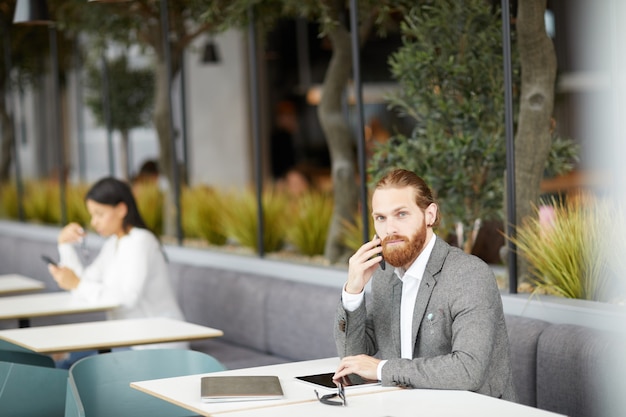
[[130, 270], [411, 280]]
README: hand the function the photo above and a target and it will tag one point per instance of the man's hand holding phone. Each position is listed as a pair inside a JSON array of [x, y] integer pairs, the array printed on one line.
[[362, 265]]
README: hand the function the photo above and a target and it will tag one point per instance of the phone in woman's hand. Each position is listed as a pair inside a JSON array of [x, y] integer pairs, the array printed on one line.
[[49, 260]]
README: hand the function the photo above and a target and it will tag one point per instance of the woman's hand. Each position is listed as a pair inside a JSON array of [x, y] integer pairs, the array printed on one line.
[[71, 233], [65, 277]]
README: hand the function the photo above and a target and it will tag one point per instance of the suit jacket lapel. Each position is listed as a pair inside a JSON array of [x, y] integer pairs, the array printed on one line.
[[423, 295], [395, 303]]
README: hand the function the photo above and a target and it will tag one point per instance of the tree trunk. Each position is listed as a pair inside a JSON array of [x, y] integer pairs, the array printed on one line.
[[162, 122], [533, 139], [339, 139], [124, 155], [8, 143]]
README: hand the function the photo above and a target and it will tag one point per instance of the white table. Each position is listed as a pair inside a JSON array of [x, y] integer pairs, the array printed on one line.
[[13, 283], [405, 403], [107, 334], [25, 307], [300, 400]]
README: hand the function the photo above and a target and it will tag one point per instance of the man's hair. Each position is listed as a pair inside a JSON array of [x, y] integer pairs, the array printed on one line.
[[400, 178]]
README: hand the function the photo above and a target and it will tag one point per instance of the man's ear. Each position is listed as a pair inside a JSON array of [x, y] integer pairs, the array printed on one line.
[[431, 214]]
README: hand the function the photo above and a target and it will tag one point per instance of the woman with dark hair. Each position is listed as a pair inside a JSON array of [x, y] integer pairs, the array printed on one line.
[[130, 268]]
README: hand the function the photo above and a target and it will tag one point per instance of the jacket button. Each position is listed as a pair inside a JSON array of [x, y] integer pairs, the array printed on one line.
[[342, 326]]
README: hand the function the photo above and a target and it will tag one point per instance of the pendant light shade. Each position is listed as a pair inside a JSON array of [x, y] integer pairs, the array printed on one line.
[[210, 54], [31, 12]]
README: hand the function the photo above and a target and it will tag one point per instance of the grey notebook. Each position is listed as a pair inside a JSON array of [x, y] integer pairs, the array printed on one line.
[[240, 388]]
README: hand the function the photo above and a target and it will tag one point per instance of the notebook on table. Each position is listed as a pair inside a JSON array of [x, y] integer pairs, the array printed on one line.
[[240, 388]]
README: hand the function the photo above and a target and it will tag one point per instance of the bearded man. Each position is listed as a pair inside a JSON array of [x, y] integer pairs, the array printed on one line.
[[434, 318]]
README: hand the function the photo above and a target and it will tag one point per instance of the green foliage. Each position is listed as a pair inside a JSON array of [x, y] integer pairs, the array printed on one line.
[[241, 219], [353, 232], [451, 82], [563, 156], [309, 229], [131, 93], [569, 246], [150, 204], [75, 200], [8, 197], [42, 202], [203, 209]]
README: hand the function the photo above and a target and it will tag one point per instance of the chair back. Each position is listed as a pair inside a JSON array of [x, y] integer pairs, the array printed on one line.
[[100, 385], [28, 358], [32, 391], [4, 345]]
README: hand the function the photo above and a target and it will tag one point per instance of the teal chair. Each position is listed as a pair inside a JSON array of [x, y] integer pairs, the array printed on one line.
[[10, 352], [32, 391], [4, 345], [99, 386], [28, 358]]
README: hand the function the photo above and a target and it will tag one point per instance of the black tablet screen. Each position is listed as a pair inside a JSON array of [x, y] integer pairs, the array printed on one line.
[[326, 380]]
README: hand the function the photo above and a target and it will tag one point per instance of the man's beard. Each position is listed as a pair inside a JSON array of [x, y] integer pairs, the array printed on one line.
[[403, 255]]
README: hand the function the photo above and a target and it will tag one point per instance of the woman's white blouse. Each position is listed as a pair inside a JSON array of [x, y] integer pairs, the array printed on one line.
[[130, 270]]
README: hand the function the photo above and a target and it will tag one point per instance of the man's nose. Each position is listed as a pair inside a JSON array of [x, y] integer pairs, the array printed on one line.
[[390, 227]]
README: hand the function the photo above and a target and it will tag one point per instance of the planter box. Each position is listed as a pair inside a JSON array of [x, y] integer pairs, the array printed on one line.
[[22, 243]]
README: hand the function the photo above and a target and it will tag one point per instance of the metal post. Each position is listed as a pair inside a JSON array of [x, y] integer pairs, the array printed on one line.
[[106, 111], [183, 117], [510, 147], [165, 29], [80, 119], [19, 186], [256, 128], [57, 121], [360, 122]]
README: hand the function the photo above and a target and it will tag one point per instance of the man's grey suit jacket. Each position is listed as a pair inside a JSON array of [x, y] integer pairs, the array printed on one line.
[[460, 335]]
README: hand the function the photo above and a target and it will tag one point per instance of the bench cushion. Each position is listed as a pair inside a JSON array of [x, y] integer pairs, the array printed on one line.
[[572, 362], [299, 319], [523, 338]]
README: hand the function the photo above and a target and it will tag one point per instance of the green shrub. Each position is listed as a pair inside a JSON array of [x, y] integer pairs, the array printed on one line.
[[8, 197], [42, 202], [203, 211], [569, 248], [309, 229], [76, 208], [241, 219], [150, 204], [353, 232]]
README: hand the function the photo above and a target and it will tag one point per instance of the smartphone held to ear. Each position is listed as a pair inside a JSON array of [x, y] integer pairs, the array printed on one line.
[[49, 260], [382, 263]]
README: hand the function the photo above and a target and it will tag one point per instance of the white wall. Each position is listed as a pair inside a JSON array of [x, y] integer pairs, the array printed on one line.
[[218, 114], [218, 127]]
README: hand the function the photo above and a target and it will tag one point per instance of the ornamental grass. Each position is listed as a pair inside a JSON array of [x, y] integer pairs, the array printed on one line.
[[241, 219], [570, 247], [203, 214], [308, 229]]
